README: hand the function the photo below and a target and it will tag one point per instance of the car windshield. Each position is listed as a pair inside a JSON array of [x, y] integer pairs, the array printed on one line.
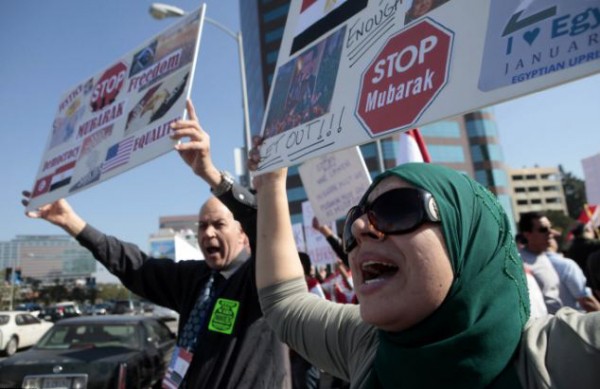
[[90, 335], [4, 319]]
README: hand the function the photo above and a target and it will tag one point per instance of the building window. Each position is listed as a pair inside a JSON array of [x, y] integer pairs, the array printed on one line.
[[531, 177], [272, 56], [552, 188], [481, 128], [517, 178], [446, 153], [276, 13], [534, 189], [274, 35], [521, 202], [486, 152], [520, 190], [536, 201], [443, 129]]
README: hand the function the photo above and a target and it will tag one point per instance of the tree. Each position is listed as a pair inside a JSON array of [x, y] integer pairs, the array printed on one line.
[[574, 189]]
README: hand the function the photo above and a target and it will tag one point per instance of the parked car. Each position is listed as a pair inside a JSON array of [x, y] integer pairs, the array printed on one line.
[[28, 307], [60, 311], [20, 329], [94, 352], [127, 307]]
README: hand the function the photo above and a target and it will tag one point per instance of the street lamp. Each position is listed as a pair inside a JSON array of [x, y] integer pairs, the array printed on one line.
[[161, 11]]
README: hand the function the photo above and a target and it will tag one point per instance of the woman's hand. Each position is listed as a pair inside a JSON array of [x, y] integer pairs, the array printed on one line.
[[264, 180]]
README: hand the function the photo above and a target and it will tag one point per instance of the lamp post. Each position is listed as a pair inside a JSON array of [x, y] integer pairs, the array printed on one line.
[[160, 11]]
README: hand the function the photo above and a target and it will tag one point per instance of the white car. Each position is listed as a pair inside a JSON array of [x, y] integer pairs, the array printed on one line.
[[20, 329]]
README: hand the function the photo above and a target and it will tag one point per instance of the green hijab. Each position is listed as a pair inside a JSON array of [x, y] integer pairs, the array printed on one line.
[[469, 341]]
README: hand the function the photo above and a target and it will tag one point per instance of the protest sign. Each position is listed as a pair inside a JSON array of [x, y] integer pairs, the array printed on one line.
[[317, 247], [120, 117], [334, 183], [591, 175], [352, 71]]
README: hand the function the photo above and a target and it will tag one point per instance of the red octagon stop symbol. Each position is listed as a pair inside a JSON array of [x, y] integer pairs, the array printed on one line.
[[108, 86], [404, 78]]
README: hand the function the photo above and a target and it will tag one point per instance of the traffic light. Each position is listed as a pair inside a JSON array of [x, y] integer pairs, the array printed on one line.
[[8, 274]]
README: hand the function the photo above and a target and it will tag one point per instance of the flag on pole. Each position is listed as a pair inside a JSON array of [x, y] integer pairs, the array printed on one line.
[[590, 214], [412, 148]]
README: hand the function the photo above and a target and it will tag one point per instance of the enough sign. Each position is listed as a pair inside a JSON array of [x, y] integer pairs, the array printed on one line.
[[404, 78]]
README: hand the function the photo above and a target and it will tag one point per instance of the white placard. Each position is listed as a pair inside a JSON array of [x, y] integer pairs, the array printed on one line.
[[317, 247], [298, 231], [591, 175], [355, 70], [120, 117], [334, 183]]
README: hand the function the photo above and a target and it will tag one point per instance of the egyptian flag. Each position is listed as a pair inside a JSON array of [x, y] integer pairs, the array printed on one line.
[[317, 17], [412, 148], [62, 176]]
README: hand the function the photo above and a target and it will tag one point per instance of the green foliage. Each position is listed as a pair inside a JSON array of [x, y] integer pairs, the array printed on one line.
[[112, 292], [574, 189]]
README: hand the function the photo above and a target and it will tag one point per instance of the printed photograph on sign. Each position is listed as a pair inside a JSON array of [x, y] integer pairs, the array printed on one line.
[[420, 8], [304, 86], [120, 117], [155, 103], [69, 113], [317, 17]]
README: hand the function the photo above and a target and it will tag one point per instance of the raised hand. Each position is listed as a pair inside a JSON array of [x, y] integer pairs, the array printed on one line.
[[275, 177], [196, 151], [58, 213]]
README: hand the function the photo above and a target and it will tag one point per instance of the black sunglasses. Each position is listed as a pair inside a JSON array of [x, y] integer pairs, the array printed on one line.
[[398, 211], [543, 230]]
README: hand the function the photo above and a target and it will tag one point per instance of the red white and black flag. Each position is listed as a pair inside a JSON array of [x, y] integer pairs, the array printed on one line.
[[317, 17]]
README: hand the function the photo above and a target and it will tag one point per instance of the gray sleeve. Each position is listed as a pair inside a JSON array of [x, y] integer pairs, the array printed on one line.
[[561, 351], [331, 336]]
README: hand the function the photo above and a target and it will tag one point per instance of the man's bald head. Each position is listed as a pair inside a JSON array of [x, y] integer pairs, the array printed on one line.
[[220, 236]]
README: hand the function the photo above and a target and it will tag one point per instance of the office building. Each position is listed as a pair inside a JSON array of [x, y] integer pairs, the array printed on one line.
[[537, 189], [467, 143], [48, 257]]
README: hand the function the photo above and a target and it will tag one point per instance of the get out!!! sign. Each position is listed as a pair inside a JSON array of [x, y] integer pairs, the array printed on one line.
[[404, 78]]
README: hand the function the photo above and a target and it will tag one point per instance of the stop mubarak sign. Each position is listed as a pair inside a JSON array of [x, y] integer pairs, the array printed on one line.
[[404, 78]]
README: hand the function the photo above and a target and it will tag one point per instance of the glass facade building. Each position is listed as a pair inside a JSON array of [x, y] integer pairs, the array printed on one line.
[[47, 257]]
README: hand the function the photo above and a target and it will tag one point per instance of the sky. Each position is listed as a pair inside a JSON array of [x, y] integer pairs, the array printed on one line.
[[50, 46]]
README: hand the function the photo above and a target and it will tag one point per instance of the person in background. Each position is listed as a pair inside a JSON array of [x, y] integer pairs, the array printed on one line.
[[334, 241], [573, 290], [583, 244], [313, 284], [443, 296], [241, 352], [536, 232]]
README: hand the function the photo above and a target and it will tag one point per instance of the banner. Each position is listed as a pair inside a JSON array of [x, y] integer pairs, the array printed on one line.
[[120, 117], [346, 78]]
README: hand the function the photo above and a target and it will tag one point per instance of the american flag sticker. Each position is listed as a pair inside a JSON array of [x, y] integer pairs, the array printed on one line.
[[118, 155]]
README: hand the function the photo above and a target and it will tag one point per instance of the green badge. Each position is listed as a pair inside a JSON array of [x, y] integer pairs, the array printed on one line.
[[223, 316]]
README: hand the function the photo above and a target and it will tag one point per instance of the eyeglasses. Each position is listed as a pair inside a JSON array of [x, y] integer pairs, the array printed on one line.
[[543, 230], [398, 211]]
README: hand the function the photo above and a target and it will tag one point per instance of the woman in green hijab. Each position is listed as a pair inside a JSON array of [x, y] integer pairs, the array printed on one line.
[[443, 297]]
